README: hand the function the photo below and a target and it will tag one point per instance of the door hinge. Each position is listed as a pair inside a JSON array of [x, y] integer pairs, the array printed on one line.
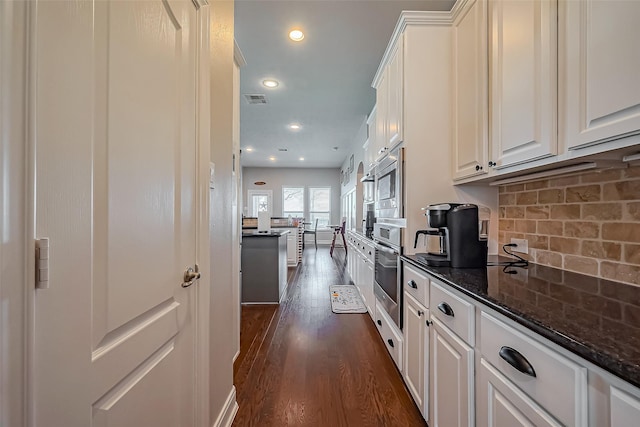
[[42, 263]]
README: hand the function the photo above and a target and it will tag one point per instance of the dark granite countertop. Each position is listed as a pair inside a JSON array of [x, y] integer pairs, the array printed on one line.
[[270, 233], [597, 319]]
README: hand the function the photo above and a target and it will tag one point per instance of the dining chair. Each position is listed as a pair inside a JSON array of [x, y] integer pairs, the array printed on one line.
[[311, 231], [340, 231]]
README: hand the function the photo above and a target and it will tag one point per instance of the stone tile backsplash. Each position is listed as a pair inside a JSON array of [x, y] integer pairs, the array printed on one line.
[[588, 223]]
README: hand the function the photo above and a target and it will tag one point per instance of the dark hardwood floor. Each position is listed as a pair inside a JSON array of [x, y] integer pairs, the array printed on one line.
[[302, 365]]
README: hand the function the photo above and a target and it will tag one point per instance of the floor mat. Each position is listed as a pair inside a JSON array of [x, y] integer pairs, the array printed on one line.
[[346, 299]]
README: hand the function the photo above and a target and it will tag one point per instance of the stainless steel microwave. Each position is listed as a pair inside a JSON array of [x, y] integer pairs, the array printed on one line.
[[388, 185]]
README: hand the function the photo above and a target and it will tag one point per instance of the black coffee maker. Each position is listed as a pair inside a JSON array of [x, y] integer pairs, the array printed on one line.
[[462, 231]]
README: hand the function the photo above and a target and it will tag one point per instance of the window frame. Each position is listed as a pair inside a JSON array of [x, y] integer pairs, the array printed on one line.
[[304, 200], [310, 212]]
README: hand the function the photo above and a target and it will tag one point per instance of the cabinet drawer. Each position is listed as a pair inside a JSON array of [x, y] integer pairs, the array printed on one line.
[[453, 311], [416, 284], [556, 383], [390, 335], [369, 251]]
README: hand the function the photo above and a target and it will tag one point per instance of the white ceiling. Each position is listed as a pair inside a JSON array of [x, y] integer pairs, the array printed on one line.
[[325, 80]]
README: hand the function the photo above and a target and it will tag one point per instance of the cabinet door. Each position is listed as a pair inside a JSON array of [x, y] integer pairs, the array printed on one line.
[[382, 96], [368, 286], [416, 351], [470, 145], [352, 264], [360, 266], [599, 71], [370, 151], [292, 249], [395, 95], [625, 409], [451, 379], [523, 67], [502, 404]]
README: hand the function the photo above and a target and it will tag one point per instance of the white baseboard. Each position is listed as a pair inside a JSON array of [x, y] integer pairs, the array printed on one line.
[[228, 413]]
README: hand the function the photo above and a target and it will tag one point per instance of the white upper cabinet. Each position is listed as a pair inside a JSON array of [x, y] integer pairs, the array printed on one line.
[[599, 71], [370, 145], [390, 100], [523, 81], [395, 95], [470, 119], [382, 106]]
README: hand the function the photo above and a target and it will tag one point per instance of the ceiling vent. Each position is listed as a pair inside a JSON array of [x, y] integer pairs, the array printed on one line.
[[255, 98], [282, 149]]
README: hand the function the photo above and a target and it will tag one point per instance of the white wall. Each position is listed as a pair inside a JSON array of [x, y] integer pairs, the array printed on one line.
[[276, 178], [358, 157], [221, 218]]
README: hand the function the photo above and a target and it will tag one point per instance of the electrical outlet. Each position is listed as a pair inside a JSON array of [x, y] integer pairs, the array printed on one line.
[[523, 246]]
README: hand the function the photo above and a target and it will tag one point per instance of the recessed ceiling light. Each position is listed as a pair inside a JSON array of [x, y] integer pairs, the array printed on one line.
[[294, 126], [296, 35], [273, 159], [248, 149], [270, 83], [301, 159]]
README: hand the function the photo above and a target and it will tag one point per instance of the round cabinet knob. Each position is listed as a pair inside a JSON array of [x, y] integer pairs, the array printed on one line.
[[478, 167], [491, 164]]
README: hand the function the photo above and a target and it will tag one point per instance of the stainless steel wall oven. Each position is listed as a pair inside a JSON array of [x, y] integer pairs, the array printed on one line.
[[387, 286], [388, 185]]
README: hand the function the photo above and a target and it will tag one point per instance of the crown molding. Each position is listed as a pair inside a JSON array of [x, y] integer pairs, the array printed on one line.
[[414, 18]]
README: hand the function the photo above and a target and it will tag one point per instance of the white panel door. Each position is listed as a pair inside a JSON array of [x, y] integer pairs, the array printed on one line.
[[115, 141], [382, 120], [502, 404], [395, 100], [625, 408], [451, 379], [416, 351], [470, 145], [599, 71], [523, 68]]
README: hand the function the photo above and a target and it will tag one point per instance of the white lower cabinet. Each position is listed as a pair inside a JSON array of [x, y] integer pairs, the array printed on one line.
[[390, 335], [292, 248], [451, 379], [540, 372], [466, 365], [502, 404], [360, 269], [366, 284], [416, 352], [625, 408]]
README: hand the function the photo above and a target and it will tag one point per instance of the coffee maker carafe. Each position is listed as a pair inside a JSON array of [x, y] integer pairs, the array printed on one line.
[[462, 231], [437, 223]]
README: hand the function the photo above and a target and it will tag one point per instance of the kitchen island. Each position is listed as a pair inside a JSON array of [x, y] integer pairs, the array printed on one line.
[[264, 266]]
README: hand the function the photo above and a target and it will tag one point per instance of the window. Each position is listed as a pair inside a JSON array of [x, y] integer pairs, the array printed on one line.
[[293, 202], [320, 205]]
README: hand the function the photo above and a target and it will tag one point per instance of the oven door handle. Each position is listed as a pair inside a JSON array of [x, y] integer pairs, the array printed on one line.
[[386, 249]]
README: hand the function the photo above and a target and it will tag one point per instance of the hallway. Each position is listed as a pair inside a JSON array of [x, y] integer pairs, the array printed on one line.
[[314, 367]]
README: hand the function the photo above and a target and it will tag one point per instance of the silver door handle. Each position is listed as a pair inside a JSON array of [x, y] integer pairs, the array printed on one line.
[[190, 276]]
